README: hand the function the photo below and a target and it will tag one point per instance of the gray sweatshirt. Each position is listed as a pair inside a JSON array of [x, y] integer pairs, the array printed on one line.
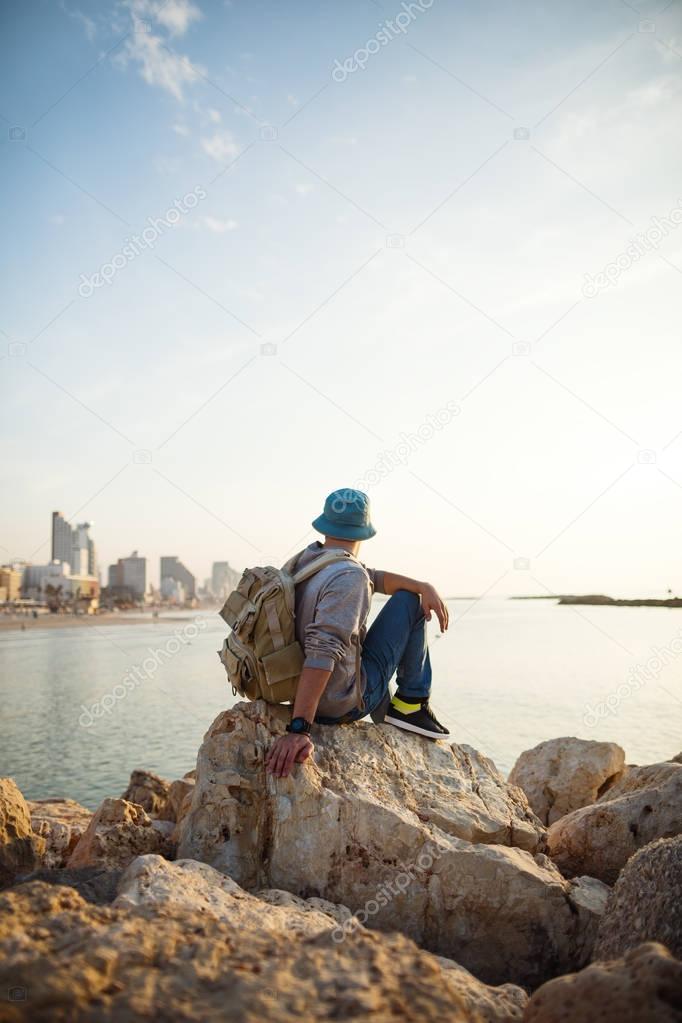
[[331, 612]]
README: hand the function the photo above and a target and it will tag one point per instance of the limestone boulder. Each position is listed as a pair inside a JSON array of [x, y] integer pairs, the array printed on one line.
[[278, 897], [562, 775], [74, 962], [643, 987], [177, 800], [409, 834], [599, 840], [60, 822], [189, 885], [118, 832], [147, 790], [646, 902], [634, 779], [20, 849]]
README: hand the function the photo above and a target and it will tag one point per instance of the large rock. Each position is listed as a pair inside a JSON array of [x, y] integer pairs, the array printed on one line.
[[177, 800], [20, 849], [562, 775], [68, 961], [410, 834], [646, 903], [186, 884], [118, 832], [60, 822], [636, 778], [600, 839], [644, 987], [148, 790]]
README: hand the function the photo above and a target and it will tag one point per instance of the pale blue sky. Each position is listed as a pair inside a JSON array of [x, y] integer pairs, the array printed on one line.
[[402, 244]]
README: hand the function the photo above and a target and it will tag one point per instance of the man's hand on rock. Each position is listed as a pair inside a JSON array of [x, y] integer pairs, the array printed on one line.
[[286, 751], [432, 601]]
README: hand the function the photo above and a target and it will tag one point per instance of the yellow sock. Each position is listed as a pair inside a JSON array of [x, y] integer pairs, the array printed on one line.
[[403, 707]]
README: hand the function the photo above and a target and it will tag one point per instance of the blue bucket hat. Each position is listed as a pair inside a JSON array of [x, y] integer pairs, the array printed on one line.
[[346, 516]]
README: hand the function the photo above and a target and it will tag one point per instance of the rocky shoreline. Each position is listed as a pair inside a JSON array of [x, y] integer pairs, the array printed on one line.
[[390, 878], [600, 600]]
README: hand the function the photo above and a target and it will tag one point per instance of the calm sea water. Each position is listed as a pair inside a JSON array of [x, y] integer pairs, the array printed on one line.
[[507, 675]]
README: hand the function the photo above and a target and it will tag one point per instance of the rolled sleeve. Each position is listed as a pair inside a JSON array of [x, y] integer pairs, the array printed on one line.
[[319, 661], [376, 578]]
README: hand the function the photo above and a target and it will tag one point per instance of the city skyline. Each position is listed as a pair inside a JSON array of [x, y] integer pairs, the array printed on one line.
[[73, 547]]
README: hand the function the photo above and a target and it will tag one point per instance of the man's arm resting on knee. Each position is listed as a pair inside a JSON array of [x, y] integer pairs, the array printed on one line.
[[290, 749], [430, 598]]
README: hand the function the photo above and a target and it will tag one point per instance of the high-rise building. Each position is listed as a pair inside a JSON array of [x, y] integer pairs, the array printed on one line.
[[92, 558], [223, 579], [73, 546], [128, 577], [82, 550], [173, 568], [62, 539], [133, 574]]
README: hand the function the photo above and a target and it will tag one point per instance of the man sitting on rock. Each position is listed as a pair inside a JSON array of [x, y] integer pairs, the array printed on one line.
[[331, 611]]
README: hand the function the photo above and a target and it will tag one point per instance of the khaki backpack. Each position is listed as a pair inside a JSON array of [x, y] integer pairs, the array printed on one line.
[[262, 656]]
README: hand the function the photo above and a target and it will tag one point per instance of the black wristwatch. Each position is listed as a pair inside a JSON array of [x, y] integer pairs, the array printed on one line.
[[299, 726]]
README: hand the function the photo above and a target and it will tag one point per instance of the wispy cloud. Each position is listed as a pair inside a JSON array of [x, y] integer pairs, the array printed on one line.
[[86, 22], [148, 49], [220, 146], [157, 65], [218, 226], [174, 15]]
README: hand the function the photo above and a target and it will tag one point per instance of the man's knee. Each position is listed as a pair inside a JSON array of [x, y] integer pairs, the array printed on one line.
[[411, 601]]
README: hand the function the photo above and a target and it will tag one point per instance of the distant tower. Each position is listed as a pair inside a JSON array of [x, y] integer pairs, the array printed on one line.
[[61, 539], [223, 579], [172, 568], [129, 575], [92, 557], [82, 550], [133, 574]]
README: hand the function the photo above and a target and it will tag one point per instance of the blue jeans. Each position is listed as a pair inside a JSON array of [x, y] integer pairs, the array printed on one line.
[[395, 642]]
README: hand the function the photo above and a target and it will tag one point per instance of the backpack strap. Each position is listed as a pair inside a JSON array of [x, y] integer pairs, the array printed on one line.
[[359, 702], [318, 563], [328, 558]]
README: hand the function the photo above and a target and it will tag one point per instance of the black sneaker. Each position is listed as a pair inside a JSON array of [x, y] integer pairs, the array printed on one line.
[[378, 715], [422, 721]]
